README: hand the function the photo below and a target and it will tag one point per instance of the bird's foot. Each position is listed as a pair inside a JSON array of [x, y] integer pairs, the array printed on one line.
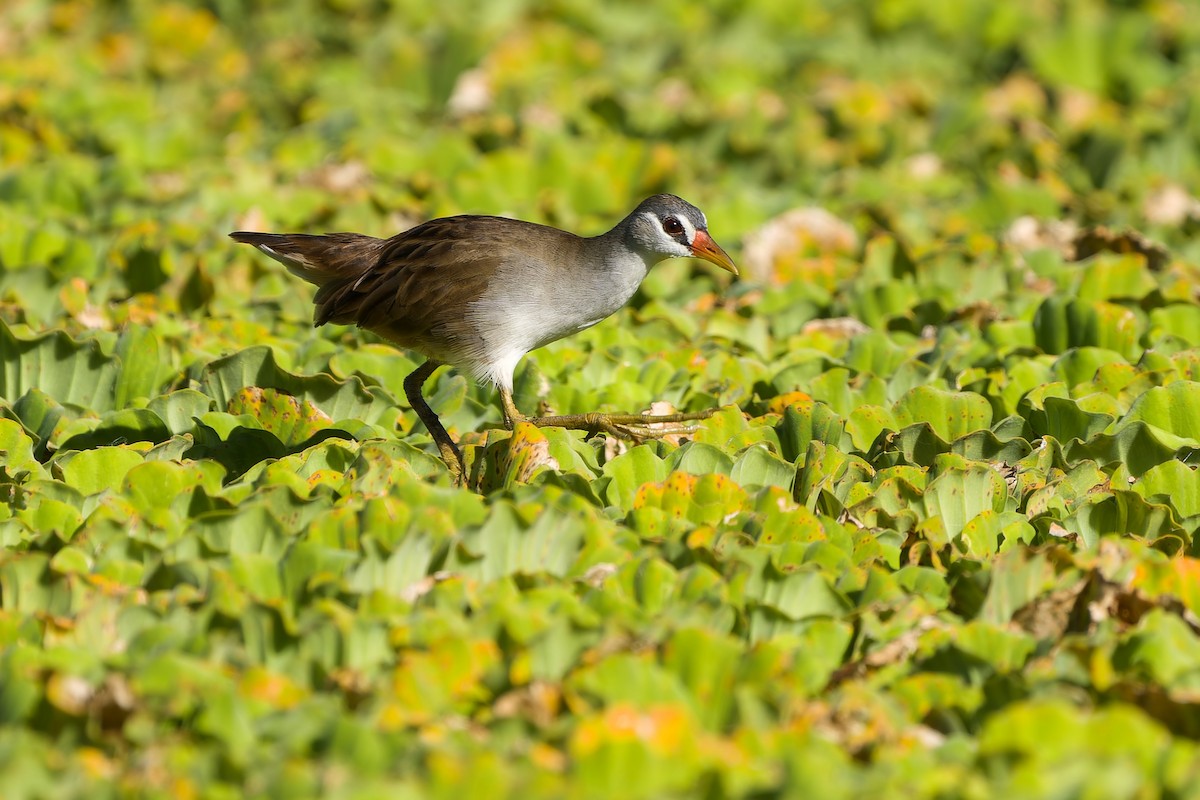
[[636, 428], [454, 462]]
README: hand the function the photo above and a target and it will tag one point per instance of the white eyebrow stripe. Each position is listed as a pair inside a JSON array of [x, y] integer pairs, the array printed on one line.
[[688, 228]]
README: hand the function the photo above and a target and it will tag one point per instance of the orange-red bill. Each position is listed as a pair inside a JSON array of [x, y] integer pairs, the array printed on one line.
[[704, 247]]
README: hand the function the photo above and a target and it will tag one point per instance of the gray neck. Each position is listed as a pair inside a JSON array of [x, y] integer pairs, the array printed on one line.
[[629, 240], [624, 265]]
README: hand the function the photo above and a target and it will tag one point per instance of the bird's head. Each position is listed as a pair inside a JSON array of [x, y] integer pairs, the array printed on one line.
[[667, 226]]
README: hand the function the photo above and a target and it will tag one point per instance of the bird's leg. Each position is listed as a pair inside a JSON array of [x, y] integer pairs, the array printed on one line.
[[635, 427], [511, 415], [412, 389]]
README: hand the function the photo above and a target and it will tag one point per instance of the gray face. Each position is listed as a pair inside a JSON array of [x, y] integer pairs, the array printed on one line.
[[667, 207], [665, 226]]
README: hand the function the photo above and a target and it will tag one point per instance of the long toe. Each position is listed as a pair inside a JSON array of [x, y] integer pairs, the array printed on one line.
[[633, 427], [656, 419]]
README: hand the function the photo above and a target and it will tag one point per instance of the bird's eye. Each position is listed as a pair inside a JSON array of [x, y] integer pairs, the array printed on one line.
[[672, 226]]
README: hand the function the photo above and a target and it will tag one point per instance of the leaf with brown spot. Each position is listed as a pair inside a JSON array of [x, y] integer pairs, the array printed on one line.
[[291, 419]]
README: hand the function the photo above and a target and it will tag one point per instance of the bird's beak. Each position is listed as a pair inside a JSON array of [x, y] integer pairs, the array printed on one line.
[[704, 247]]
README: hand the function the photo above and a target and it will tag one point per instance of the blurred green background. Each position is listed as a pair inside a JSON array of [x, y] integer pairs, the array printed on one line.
[[157, 126], [943, 545]]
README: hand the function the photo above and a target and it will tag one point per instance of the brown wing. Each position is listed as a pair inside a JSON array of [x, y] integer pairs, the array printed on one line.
[[420, 283], [415, 287]]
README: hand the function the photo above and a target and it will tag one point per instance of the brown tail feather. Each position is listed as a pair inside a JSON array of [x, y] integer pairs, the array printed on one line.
[[317, 259]]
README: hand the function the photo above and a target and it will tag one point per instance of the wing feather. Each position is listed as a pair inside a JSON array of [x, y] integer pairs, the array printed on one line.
[[416, 287]]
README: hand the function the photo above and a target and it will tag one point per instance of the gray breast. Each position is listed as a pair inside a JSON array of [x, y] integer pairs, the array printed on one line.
[[523, 310]]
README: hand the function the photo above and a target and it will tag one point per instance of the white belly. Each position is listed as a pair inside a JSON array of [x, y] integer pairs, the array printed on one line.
[[521, 314]]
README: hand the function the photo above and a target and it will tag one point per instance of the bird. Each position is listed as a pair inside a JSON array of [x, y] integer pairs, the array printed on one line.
[[479, 292]]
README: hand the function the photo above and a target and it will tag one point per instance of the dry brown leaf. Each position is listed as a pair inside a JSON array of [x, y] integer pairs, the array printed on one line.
[[781, 248], [597, 574], [1100, 239], [1170, 205], [1029, 233], [899, 649], [472, 94], [539, 702], [1049, 615], [339, 178], [836, 327]]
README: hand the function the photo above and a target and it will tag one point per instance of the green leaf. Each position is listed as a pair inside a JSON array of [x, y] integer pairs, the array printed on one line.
[[255, 367], [628, 472], [1171, 483], [142, 365], [1174, 409], [1138, 446], [1002, 648], [98, 470], [1059, 326], [120, 427], [950, 414], [292, 420], [16, 452], [1017, 580], [178, 408], [698, 458], [1065, 420], [160, 484], [756, 466], [66, 370], [507, 544], [865, 423], [1125, 513], [707, 664], [1112, 276], [42, 416], [1178, 319], [382, 364], [1163, 649], [959, 494], [797, 594], [1079, 365], [806, 423]]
